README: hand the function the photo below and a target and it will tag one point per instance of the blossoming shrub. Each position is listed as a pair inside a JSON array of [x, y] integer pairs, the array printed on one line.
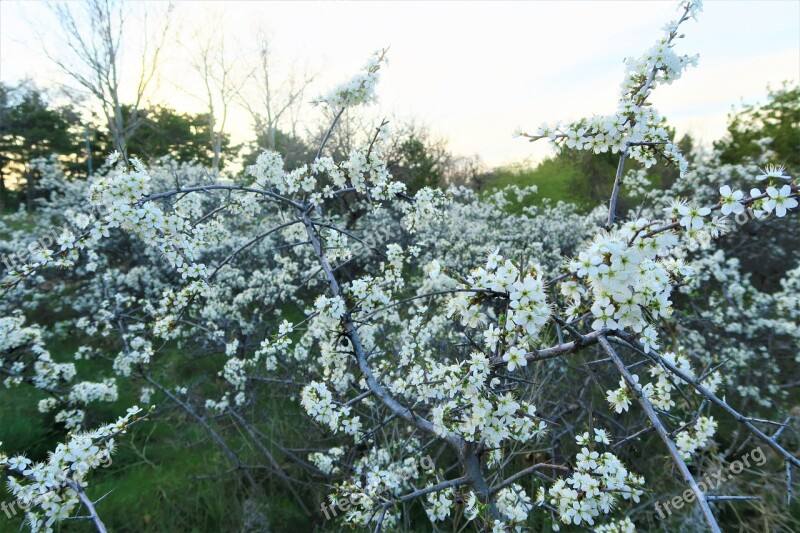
[[558, 368]]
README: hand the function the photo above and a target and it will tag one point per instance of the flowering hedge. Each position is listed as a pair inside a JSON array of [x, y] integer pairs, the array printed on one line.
[[435, 324]]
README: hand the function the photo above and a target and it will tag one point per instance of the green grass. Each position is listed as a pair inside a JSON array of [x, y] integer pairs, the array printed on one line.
[[553, 180], [158, 483], [167, 474]]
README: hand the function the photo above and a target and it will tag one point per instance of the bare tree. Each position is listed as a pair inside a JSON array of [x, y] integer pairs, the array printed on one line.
[[274, 101], [222, 83], [93, 33]]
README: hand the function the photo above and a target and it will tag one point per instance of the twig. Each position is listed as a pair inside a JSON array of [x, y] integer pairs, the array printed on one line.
[[662, 432], [612, 203], [98, 524]]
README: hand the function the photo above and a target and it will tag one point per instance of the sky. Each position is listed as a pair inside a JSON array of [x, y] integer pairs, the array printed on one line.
[[472, 72]]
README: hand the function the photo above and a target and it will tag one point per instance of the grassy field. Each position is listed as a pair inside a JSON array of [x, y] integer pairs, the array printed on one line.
[[167, 474], [553, 179]]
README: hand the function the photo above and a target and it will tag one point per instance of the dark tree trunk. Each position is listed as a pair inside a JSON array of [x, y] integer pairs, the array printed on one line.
[[2, 191], [29, 177]]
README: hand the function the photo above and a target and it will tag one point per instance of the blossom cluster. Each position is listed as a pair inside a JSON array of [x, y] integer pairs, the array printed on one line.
[[123, 193], [381, 475], [526, 313], [629, 280], [688, 442], [318, 402], [636, 128], [360, 89], [514, 504], [50, 489], [364, 172], [597, 484]]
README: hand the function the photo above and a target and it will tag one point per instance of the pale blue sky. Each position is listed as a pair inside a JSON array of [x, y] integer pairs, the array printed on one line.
[[474, 71]]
